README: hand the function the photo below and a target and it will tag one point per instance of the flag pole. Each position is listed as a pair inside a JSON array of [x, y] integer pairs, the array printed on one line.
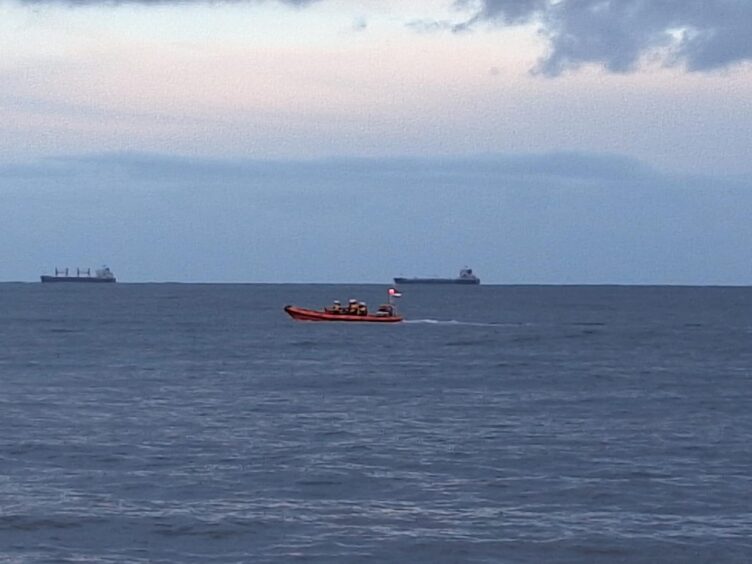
[[393, 293]]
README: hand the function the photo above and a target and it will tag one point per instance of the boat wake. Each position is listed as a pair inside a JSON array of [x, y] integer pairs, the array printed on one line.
[[456, 322]]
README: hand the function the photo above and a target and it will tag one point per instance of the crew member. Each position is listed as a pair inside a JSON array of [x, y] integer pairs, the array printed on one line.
[[385, 310]]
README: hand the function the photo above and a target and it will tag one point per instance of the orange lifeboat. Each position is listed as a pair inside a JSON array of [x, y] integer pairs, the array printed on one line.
[[303, 314]]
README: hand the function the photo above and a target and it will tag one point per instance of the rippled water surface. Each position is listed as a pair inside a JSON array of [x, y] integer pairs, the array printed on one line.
[[197, 423]]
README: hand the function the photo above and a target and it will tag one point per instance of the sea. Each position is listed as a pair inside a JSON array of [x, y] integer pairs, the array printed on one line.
[[521, 424]]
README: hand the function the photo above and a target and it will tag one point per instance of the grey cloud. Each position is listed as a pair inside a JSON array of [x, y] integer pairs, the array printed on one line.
[[507, 11], [700, 34]]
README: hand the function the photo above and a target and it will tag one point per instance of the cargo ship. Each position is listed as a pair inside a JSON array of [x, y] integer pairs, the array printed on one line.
[[466, 276], [101, 275]]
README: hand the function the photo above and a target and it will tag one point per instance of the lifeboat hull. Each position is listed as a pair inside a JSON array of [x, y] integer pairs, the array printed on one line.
[[303, 314]]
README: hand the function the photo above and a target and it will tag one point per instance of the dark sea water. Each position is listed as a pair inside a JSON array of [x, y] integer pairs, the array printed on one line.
[[197, 423]]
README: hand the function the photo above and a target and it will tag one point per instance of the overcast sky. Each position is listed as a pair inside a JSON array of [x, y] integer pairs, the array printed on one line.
[[538, 141]]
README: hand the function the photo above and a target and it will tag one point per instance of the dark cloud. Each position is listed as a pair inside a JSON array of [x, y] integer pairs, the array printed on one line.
[[507, 11], [700, 34]]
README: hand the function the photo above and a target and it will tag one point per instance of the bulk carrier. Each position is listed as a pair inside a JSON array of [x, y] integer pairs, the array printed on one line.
[[101, 275], [466, 277]]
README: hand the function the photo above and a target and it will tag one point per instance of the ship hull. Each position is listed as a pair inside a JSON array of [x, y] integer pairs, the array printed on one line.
[[78, 279], [463, 281]]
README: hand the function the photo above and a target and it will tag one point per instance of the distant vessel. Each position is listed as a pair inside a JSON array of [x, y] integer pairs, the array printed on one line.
[[101, 275], [466, 277]]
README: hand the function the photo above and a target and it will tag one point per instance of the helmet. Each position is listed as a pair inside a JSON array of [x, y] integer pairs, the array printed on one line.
[[352, 301], [336, 301]]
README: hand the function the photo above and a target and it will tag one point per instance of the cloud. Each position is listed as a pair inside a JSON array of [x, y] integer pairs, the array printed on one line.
[[703, 35], [507, 11], [586, 167], [360, 24], [160, 2]]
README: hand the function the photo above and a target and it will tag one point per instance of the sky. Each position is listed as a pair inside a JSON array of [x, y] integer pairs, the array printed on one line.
[[537, 141]]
